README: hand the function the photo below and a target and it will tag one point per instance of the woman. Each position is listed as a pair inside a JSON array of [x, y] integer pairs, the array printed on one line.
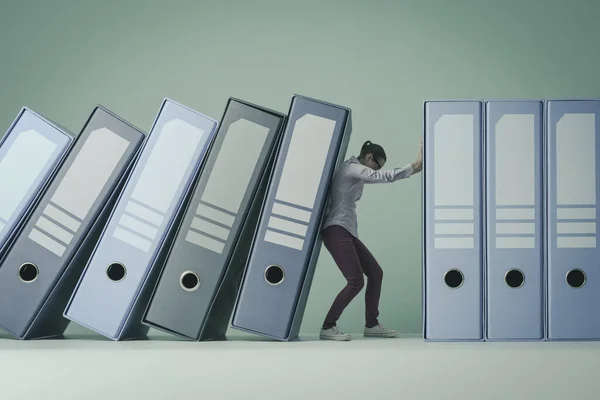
[[340, 237]]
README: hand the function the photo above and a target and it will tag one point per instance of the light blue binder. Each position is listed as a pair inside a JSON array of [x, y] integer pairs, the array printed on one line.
[[453, 221], [278, 275], [573, 191], [514, 220], [31, 152], [115, 288]]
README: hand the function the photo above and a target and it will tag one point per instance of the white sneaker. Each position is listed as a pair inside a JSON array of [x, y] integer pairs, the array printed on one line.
[[380, 331], [333, 334]]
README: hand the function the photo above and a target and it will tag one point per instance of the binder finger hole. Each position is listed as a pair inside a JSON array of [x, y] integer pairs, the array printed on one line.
[[454, 278], [116, 272], [28, 272], [576, 278], [189, 281], [274, 275], [514, 278]]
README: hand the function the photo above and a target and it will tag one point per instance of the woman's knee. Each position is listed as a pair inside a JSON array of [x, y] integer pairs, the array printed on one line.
[[356, 284], [377, 274]]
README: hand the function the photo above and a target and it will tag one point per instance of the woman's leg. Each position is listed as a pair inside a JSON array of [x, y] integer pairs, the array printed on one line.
[[340, 243], [374, 275]]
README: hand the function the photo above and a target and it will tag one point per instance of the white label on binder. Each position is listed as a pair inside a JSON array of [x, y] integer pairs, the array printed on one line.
[[302, 171], [78, 190], [161, 177], [576, 180], [515, 182], [453, 151], [21, 165], [227, 184]]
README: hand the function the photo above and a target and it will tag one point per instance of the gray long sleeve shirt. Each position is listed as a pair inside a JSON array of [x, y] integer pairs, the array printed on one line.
[[347, 187]]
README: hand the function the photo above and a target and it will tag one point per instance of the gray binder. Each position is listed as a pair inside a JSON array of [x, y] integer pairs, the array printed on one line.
[[197, 288], [43, 265]]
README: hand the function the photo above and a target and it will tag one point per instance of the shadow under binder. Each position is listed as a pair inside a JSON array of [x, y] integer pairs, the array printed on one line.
[[46, 134], [202, 311], [59, 235], [278, 275], [115, 286]]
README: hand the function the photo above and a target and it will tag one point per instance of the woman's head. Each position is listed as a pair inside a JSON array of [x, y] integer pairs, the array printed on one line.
[[372, 155]]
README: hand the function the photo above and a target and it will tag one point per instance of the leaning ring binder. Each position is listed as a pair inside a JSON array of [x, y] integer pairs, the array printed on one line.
[[115, 288], [278, 274]]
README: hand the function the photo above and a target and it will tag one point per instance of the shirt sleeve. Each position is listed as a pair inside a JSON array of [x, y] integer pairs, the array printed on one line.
[[369, 175]]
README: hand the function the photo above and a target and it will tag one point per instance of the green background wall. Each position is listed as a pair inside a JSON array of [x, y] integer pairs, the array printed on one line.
[[381, 58]]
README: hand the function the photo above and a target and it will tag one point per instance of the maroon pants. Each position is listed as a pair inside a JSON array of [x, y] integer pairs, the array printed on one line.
[[353, 259]]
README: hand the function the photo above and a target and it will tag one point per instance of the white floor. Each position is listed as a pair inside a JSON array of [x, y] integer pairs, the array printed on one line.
[[252, 368]]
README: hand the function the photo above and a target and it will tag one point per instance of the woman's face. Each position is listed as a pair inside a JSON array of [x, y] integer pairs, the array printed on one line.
[[372, 163]]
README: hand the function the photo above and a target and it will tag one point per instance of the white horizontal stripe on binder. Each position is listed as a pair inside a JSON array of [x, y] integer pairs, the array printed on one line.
[[515, 214], [215, 215], [82, 183], [47, 242], [209, 228], [132, 239], [447, 214], [61, 217], [454, 242], [576, 213], [576, 227], [445, 228], [576, 176], [515, 228], [243, 143], [576, 242], [164, 169], [20, 167], [453, 151], [284, 240], [287, 226], [204, 241], [144, 213], [137, 226], [54, 230], [515, 242], [291, 212]]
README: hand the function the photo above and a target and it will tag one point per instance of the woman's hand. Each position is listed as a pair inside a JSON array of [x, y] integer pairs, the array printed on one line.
[[418, 165]]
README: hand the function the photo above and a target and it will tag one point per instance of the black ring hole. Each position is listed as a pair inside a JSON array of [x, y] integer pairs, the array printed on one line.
[[274, 274], [28, 272], [189, 281], [115, 272], [576, 278], [454, 278], [514, 278]]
